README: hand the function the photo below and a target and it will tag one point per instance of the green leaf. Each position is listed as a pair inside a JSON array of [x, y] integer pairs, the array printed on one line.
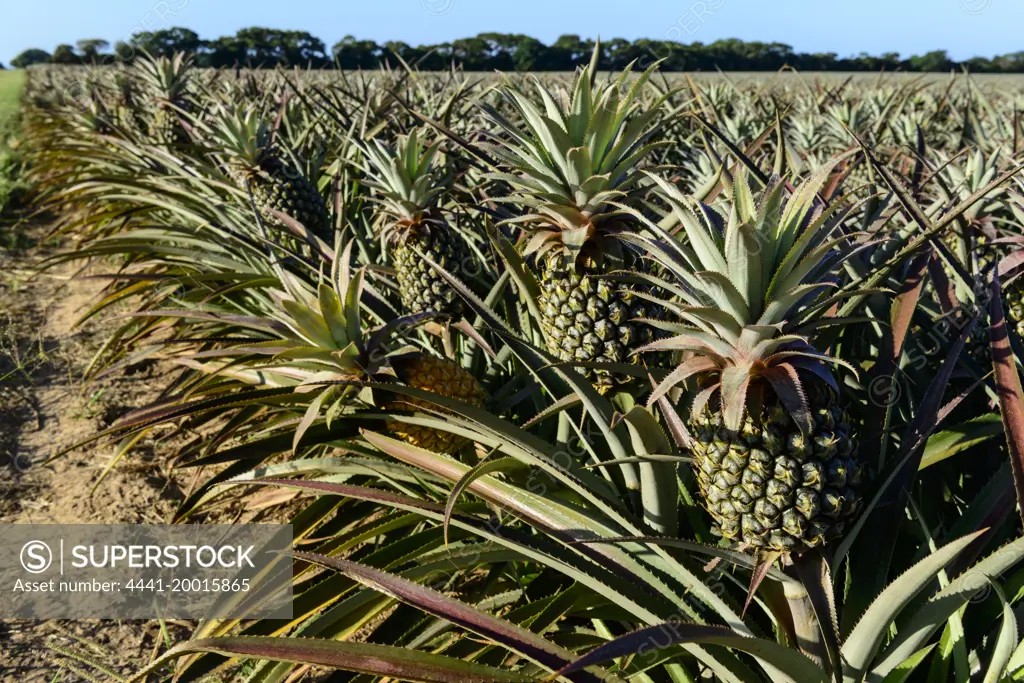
[[791, 663], [863, 642], [1016, 664], [1006, 641], [659, 488], [743, 255], [365, 658], [919, 627], [483, 468], [516, 638], [334, 316], [905, 668], [949, 442], [312, 413], [309, 323]]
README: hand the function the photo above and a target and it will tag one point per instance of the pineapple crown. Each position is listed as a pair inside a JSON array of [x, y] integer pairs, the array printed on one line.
[[320, 343], [574, 160], [245, 135], [323, 333], [739, 289], [166, 79], [406, 178]]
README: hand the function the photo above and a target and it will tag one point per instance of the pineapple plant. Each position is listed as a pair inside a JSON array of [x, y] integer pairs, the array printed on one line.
[[327, 351], [254, 161], [408, 183], [775, 454], [165, 86], [575, 566], [574, 169]]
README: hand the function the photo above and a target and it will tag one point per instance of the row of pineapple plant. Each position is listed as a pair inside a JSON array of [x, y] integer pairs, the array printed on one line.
[[585, 380]]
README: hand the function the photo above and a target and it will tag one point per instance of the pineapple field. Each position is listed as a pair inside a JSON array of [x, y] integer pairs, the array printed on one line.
[[562, 377]]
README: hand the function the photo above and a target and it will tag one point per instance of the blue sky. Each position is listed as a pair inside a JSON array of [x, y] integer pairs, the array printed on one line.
[[965, 27]]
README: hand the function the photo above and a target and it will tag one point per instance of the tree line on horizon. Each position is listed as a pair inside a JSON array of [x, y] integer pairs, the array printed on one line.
[[264, 47]]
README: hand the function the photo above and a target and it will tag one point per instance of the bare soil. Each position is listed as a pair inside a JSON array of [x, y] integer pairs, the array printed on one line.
[[46, 407]]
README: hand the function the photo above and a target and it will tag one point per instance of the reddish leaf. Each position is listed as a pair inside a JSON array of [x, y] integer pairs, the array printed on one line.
[[433, 602], [1011, 398], [906, 302], [395, 663]]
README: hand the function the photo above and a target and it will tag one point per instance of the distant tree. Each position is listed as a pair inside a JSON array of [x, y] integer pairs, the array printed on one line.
[[65, 54], [351, 53], [90, 48], [268, 47], [300, 48], [618, 52], [1013, 62], [223, 51], [271, 47], [566, 53], [980, 65], [512, 51], [528, 53], [937, 60], [30, 57], [401, 49], [166, 42], [124, 51], [472, 53]]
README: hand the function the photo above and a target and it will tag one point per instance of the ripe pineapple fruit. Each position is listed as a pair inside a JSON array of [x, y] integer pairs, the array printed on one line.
[[769, 484], [407, 184], [253, 160], [165, 88], [775, 454], [573, 167], [439, 376]]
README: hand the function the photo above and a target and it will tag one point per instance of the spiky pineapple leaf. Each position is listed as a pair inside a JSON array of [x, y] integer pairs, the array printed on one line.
[[659, 490], [1008, 388], [483, 468], [1006, 641], [906, 668], [516, 638], [861, 646], [794, 665], [918, 627], [365, 658], [949, 442]]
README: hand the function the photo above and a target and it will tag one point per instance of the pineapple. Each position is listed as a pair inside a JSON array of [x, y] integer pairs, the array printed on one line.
[[573, 166], [407, 185], [775, 453], [1013, 293], [438, 376], [165, 87], [254, 161]]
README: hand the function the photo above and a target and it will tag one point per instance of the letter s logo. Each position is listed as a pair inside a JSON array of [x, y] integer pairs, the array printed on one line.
[[36, 557]]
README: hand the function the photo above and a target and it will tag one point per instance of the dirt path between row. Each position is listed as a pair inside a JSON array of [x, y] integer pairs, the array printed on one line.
[[46, 407]]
